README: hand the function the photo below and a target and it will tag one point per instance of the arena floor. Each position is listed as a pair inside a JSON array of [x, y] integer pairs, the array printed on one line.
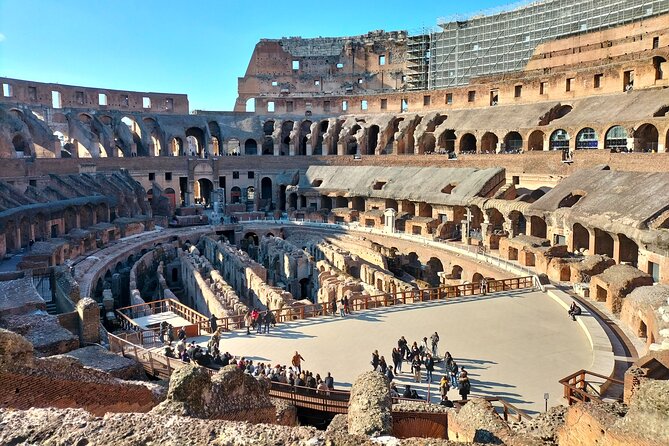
[[515, 345]]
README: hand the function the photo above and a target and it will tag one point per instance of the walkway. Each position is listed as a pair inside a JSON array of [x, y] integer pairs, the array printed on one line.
[[516, 345]]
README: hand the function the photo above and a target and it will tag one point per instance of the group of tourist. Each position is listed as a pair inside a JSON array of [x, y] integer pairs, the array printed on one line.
[[419, 356], [344, 306], [259, 321]]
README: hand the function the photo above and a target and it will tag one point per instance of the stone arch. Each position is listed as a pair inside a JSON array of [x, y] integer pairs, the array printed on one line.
[[286, 129], [659, 66], [467, 143], [202, 190], [86, 216], [268, 146], [489, 142], [615, 139], [447, 140], [559, 140], [235, 195], [518, 222], [196, 142], [603, 243], [250, 147], [322, 129], [305, 131], [372, 139], [538, 227], [586, 138], [477, 277], [292, 200], [102, 213], [268, 127], [513, 142], [434, 267], [646, 138], [628, 251], [25, 231], [536, 140], [580, 237], [176, 146], [266, 189], [456, 272], [21, 145], [70, 219], [496, 219]]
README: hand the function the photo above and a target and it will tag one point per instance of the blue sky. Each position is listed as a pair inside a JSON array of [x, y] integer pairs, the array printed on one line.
[[197, 47]]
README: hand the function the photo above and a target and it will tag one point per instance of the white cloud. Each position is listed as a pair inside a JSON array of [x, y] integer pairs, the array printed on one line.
[[2, 37]]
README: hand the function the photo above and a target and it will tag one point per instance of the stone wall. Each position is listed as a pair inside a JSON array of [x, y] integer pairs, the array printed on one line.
[[246, 276]]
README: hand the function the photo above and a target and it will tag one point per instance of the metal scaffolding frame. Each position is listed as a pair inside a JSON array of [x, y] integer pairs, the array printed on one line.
[[493, 44]]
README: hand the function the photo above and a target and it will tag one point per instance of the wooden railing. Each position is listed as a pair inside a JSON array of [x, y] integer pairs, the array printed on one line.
[[331, 401], [389, 299], [154, 364], [199, 322], [577, 387]]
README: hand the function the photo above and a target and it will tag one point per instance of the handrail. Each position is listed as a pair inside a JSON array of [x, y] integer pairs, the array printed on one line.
[[127, 314], [576, 385], [366, 302]]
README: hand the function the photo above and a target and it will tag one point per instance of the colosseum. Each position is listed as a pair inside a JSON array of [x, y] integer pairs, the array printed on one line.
[[496, 188]]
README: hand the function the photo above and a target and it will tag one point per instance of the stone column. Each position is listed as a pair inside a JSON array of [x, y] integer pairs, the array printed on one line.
[[389, 215], [89, 321]]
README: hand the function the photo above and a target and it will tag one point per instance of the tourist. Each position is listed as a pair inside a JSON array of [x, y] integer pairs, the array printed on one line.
[[322, 388], [574, 310], [248, 321], [181, 347], [397, 360], [297, 361], [407, 391], [434, 341], [347, 306], [383, 367], [389, 373], [213, 325], [329, 381], [375, 360], [162, 332], [269, 320], [464, 386], [444, 385], [260, 317], [169, 351], [182, 334], [394, 393], [414, 353], [170, 334], [415, 368], [334, 307], [429, 367], [403, 347], [342, 308], [423, 348]]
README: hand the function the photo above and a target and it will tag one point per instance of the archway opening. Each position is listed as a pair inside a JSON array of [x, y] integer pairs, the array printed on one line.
[[250, 147], [629, 250], [581, 237], [468, 143], [586, 139], [559, 140], [646, 138], [536, 140], [286, 129], [203, 194], [615, 139], [603, 243], [196, 142], [235, 195], [489, 142], [513, 142]]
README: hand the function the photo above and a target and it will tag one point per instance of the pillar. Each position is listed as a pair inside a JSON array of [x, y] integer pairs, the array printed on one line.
[[616, 248], [389, 216], [89, 321]]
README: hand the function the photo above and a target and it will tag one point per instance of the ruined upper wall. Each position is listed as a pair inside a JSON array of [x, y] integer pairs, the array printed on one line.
[[324, 65], [70, 96]]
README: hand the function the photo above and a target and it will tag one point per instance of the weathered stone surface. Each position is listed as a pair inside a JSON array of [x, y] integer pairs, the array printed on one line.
[[230, 394], [99, 358], [478, 422], [14, 349], [370, 406], [544, 426], [43, 331], [647, 420]]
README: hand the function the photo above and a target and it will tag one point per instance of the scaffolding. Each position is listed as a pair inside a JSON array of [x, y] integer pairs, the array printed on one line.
[[493, 44], [418, 61]]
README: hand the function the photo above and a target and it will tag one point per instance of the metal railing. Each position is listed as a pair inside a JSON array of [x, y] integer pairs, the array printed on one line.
[[578, 388]]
